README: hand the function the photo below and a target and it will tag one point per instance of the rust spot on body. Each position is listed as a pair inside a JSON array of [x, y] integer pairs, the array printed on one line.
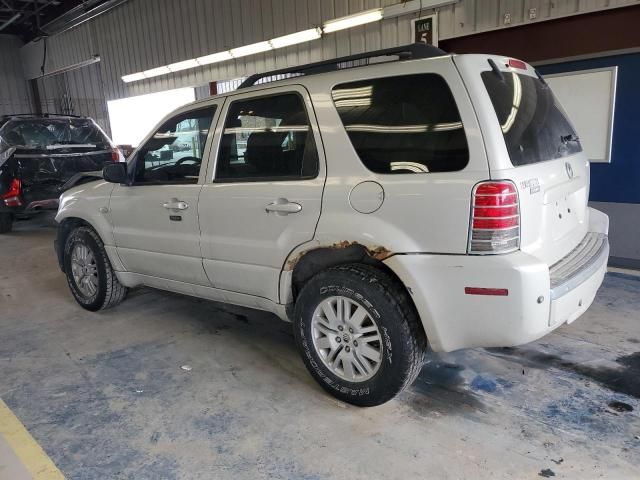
[[379, 253]]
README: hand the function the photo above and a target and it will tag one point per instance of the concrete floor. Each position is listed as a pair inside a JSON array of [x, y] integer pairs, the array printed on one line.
[[105, 395]]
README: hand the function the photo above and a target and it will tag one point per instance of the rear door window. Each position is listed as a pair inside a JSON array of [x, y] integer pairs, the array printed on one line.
[[267, 138], [534, 126], [406, 124]]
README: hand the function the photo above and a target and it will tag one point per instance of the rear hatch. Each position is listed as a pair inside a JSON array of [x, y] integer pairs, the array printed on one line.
[[49, 152], [531, 142]]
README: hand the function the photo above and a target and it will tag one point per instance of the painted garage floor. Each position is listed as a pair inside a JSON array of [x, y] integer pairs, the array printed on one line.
[[106, 397]]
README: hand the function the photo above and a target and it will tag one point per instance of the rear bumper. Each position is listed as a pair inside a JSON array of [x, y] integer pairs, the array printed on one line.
[[539, 299], [31, 207]]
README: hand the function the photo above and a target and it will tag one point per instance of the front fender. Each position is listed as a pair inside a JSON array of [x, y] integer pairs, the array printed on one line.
[[88, 203]]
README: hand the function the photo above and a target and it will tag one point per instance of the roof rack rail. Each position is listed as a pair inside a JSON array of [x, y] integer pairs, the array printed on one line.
[[39, 115], [406, 52]]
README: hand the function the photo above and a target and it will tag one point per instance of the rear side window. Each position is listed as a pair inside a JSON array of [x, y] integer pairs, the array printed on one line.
[[407, 124], [534, 126], [267, 138]]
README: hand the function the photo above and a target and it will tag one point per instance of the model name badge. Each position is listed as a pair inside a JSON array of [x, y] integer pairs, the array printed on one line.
[[532, 184]]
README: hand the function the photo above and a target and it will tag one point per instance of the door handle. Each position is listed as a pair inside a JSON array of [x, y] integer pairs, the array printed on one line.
[[175, 204], [282, 206]]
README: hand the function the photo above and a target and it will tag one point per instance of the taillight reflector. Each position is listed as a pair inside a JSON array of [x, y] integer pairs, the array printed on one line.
[[495, 218], [499, 292], [12, 196], [489, 212], [494, 223]]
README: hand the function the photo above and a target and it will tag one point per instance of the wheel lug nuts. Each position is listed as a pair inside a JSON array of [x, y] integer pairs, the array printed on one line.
[[338, 339], [340, 327], [347, 349], [355, 343], [351, 330]]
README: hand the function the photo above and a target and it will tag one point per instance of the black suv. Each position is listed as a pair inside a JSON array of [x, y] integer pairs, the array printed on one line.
[[41, 156]]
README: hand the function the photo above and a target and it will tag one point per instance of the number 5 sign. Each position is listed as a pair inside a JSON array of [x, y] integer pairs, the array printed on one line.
[[425, 29]]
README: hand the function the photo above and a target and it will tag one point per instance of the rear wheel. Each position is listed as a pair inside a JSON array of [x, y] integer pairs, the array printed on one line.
[[6, 222], [359, 334], [89, 274]]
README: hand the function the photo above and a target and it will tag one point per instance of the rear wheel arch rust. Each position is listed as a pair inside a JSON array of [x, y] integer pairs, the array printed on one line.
[[308, 263]]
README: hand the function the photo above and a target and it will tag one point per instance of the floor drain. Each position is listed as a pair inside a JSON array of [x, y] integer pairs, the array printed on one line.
[[620, 407]]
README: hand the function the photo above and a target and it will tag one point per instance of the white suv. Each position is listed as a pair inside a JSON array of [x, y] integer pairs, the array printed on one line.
[[434, 201]]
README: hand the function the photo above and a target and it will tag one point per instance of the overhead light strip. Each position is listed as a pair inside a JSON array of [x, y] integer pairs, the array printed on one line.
[[330, 26]]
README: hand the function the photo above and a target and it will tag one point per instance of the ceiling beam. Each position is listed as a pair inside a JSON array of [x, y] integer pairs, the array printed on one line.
[[9, 21]]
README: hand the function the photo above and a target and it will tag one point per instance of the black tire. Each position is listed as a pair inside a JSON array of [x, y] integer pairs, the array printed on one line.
[[386, 302], [6, 222], [110, 292]]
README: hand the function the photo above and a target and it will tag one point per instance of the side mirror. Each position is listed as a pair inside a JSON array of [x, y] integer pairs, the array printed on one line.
[[115, 172]]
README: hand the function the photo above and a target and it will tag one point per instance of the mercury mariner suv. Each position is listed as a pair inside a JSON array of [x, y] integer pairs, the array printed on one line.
[[432, 201]]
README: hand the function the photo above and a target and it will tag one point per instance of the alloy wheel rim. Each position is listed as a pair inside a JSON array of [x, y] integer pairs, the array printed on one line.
[[347, 339], [84, 270]]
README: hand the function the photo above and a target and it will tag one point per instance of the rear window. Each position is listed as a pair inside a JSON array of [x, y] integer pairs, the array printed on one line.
[[50, 133], [407, 124], [534, 126]]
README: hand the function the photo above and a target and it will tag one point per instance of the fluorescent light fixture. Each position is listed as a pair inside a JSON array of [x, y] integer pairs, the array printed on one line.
[[184, 65], [413, 6], [154, 72], [295, 38], [396, 10], [251, 49], [10, 21], [343, 23], [214, 58], [134, 77]]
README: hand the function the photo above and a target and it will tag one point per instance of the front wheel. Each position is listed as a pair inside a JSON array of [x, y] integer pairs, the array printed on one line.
[[89, 274], [359, 334]]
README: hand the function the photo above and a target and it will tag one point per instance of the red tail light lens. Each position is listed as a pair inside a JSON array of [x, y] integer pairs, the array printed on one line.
[[116, 155], [12, 196], [513, 63], [495, 218]]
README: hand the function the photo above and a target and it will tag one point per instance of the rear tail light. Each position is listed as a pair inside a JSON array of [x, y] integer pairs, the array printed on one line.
[[12, 197], [116, 155], [495, 218]]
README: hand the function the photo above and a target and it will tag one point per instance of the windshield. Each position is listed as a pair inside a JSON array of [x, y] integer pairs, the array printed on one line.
[[534, 126], [50, 133]]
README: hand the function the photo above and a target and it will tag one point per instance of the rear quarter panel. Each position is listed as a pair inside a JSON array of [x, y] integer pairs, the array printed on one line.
[[426, 212]]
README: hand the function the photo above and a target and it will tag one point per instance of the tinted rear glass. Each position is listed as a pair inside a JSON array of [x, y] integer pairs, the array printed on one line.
[[46, 133], [534, 126], [407, 124]]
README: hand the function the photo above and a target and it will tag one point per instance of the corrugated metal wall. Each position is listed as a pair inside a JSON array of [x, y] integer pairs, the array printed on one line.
[[14, 90], [143, 34], [77, 92]]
